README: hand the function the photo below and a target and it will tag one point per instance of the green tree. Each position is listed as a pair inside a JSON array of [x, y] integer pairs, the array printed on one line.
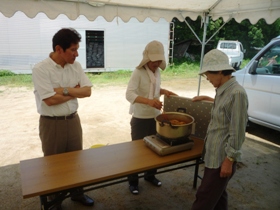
[[256, 36], [252, 36]]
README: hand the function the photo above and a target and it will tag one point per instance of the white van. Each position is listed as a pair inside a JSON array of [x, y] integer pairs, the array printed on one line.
[[261, 80], [234, 50]]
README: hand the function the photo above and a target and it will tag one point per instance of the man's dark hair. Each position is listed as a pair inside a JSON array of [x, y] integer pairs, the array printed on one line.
[[65, 37], [224, 72]]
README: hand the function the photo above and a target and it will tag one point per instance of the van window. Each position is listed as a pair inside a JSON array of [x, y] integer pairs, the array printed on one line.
[[225, 45], [269, 61]]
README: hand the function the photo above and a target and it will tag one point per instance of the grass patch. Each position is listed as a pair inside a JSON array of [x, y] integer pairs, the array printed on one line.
[[181, 70], [15, 80], [121, 77], [244, 63], [110, 78]]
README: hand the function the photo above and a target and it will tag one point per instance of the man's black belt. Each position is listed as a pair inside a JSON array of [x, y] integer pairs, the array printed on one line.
[[68, 117]]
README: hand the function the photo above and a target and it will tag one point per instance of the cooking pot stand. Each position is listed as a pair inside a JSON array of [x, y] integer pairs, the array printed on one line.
[[162, 148]]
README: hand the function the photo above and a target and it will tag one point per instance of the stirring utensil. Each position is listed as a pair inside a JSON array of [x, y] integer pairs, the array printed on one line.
[[165, 117]]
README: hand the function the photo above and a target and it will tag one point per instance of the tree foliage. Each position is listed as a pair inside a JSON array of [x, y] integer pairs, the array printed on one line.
[[252, 36]]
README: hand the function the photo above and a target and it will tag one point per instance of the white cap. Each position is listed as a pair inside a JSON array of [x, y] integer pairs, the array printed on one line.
[[215, 60], [154, 51]]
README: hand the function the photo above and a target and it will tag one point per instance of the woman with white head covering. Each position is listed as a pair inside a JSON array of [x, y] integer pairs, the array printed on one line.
[[143, 93], [225, 133]]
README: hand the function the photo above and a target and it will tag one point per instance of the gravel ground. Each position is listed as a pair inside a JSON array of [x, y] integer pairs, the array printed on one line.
[[105, 120]]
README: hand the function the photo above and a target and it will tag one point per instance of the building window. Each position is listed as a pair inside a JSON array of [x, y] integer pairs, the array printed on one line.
[[95, 49]]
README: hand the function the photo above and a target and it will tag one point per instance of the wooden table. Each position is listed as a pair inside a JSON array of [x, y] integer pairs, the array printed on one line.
[[62, 172]]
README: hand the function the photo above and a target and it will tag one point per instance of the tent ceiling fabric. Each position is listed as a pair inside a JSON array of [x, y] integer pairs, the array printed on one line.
[[142, 9]]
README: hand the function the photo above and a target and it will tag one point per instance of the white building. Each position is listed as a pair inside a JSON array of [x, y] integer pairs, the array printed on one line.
[[105, 46]]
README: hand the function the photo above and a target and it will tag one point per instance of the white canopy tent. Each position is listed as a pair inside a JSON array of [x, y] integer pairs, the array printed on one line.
[[253, 10], [141, 9]]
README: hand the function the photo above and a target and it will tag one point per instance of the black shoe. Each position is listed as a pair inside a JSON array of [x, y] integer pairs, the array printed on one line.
[[134, 189], [57, 207], [57, 204], [83, 199], [154, 181]]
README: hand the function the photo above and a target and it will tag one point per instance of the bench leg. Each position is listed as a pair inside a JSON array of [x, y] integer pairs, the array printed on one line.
[[44, 202], [197, 162], [46, 205]]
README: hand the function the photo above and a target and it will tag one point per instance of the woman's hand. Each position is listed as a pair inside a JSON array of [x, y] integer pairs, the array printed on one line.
[[226, 168], [202, 98], [155, 103], [167, 92]]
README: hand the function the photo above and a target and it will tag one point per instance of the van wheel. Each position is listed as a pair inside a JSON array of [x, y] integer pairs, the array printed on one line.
[[237, 66]]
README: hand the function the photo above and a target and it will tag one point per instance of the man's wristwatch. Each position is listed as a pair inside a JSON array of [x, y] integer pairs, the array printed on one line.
[[65, 91], [230, 159]]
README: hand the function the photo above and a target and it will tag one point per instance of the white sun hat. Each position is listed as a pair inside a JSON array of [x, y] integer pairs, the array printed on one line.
[[215, 60], [154, 51]]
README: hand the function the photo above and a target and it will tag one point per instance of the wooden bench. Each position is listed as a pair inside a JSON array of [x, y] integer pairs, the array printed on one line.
[[99, 167]]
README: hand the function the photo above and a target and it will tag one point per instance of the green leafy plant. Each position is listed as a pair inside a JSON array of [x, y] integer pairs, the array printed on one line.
[[4, 73], [8, 78], [180, 69]]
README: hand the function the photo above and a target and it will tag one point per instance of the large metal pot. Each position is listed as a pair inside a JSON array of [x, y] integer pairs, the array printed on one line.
[[167, 130]]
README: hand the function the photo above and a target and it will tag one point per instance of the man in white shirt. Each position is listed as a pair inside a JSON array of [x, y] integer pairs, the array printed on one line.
[[58, 81]]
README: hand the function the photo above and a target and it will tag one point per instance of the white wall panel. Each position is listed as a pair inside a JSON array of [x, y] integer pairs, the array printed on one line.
[[26, 41]]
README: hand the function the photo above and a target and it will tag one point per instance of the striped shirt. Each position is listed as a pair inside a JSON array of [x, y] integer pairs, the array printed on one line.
[[226, 130]]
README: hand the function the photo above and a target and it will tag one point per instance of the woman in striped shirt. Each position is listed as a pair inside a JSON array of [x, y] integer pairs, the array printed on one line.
[[225, 133]]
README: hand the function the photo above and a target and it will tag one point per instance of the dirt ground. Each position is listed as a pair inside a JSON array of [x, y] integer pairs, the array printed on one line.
[[105, 120]]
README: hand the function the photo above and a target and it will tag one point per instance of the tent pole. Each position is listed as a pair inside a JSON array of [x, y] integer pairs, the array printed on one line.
[[205, 21], [192, 30]]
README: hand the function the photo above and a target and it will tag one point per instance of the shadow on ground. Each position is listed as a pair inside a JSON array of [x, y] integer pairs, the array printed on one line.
[[262, 132]]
